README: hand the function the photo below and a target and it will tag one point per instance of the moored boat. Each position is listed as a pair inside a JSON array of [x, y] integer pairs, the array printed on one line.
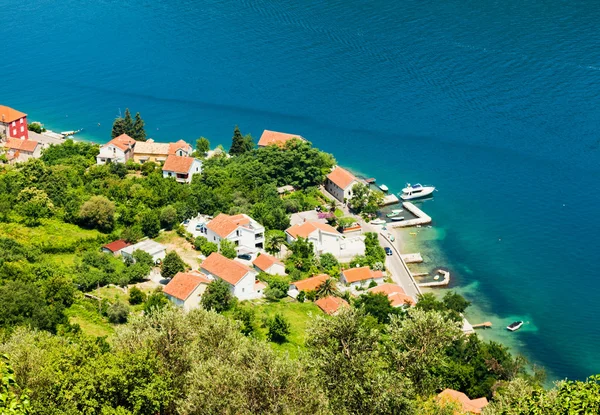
[[384, 188], [416, 191], [514, 326], [378, 221], [398, 218], [394, 212]]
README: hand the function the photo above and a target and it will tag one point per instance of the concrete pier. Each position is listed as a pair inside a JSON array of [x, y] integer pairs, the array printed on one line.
[[441, 283], [412, 258], [390, 200], [422, 217]]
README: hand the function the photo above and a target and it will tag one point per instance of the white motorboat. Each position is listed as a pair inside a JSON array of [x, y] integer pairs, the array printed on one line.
[[394, 212], [416, 191], [384, 188], [398, 218], [514, 326], [378, 222]]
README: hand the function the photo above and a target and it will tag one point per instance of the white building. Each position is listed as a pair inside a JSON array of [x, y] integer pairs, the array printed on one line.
[[18, 150], [156, 250], [326, 239], [241, 279], [361, 277], [241, 229], [182, 168], [186, 288], [117, 150], [339, 183], [269, 264]]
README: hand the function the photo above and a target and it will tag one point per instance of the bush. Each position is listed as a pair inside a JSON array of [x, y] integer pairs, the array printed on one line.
[[245, 316], [208, 248], [155, 301], [168, 217], [136, 296], [199, 242], [118, 313], [311, 295], [217, 297], [150, 224], [228, 249], [278, 327], [171, 265], [301, 296]]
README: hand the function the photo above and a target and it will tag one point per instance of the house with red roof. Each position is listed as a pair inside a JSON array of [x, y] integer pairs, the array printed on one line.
[[270, 138], [118, 150], [182, 168], [240, 229], [21, 150], [473, 406], [360, 277], [241, 278], [308, 284], [339, 183], [331, 305], [395, 293], [326, 239], [269, 264], [186, 288], [150, 150], [115, 247], [13, 123]]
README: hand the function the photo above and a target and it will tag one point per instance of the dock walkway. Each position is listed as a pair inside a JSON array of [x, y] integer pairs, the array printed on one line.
[[412, 258], [441, 283], [422, 217]]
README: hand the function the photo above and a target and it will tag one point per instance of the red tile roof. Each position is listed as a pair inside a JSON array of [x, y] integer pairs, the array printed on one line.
[[8, 114], [264, 262], [227, 269], [361, 274], [331, 305], [307, 228], [342, 178], [312, 283], [173, 147], [395, 293], [116, 245], [473, 406], [183, 284], [273, 137], [124, 142], [224, 224], [23, 145], [178, 164]]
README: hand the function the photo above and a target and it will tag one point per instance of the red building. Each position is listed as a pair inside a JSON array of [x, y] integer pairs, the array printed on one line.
[[13, 123]]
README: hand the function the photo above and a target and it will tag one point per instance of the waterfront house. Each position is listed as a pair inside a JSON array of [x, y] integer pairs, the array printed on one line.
[[240, 229], [21, 150], [339, 183], [269, 138], [326, 239], [13, 123], [359, 277], [395, 294], [158, 152], [157, 251], [115, 247], [269, 264], [182, 168], [473, 406], [308, 284], [186, 288], [331, 305], [118, 150], [241, 279]]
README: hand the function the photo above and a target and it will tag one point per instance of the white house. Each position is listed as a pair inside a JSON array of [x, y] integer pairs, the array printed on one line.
[[326, 239], [117, 150], [269, 264], [339, 183], [241, 279], [360, 277], [182, 168], [156, 250], [241, 229], [186, 288]]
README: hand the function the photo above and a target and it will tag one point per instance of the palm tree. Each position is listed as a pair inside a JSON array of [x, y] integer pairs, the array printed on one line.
[[332, 205], [273, 243], [327, 288]]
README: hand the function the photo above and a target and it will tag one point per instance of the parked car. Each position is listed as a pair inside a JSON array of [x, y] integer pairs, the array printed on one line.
[[388, 251], [247, 257], [186, 222], [200, 227]]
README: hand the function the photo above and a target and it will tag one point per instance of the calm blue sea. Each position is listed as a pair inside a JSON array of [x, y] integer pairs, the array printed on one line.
[[495, 103]]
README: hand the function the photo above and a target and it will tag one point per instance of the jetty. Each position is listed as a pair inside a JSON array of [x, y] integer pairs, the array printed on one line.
[[370, 180], [421, 217], [486, 325], [412, 258], [441, 283], [391, 199]]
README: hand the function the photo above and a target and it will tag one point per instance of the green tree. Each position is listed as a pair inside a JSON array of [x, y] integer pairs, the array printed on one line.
[[327, 288], [128, 123], [274, 240], [328, 261], [150, 224], [13, 401], [303, 255], [246, 318], [365, 200], [228, 249], [168, 217], [377, 305], [118, 313], [171, 265], [202, 145], [278, 328], [35, 205], [239, 143], [155, 301], [217, 296], [98, 212], [138, 132], [136, 296], [118, 127], [199, 242], [208, 248]]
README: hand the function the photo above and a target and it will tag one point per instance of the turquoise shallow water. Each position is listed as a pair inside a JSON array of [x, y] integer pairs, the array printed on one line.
[[495, 103]]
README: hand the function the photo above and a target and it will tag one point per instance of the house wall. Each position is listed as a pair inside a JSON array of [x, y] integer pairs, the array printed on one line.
[[137, 157], [17, 129], [118, 155], [244, 290], [193, 301], [276, 269], [195, 168], [243, 236], [364, 283], [159, 255], [337, 192]]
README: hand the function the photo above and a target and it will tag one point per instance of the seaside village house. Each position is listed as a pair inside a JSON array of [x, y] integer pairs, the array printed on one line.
[[395, 294], [241, 279], [115, 247], [331, 305], [158, 152], [269, 138], [117, 150], [269, 264], [471, 406], [182, 168], [13, 123], [361, 277], [326, 239], [306, 285], [157, 251], [240, 229], [186, 288], [21, 150], [339, 183]]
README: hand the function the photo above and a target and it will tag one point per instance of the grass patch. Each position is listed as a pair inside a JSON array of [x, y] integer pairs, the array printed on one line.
[[338, 213], [85, 313], [49, 232]]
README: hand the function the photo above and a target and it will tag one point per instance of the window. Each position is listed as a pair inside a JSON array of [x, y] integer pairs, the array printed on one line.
[[14, 124], [21, 120], [22, 128], [14, 131]]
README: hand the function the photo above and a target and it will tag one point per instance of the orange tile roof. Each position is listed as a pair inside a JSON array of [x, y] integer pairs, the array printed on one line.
[[227, 269], [178, 164], [124, 142], [331, 304], [224, 224], [342, 178], [183, 284], [8, 114], [173, 147], [468, 405], [312, 283], [273, 137], [307, 228], [23, 145], [264, 262], [395, 293], [116, 245], [361, 274]]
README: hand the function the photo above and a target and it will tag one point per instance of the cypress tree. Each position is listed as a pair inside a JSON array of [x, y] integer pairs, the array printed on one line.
[[118, 127], [128, 123], [138, 132], [238, 145]]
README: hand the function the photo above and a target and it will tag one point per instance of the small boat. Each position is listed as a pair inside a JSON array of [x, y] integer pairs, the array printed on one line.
[[394, 212], [514, 326], [397, 218], [384, 188], [416, 191], [378, 222]]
